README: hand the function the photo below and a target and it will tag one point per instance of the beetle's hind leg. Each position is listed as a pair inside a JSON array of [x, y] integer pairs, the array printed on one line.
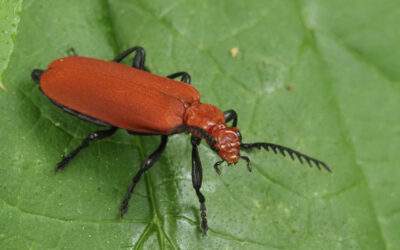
[[146, 165], [98, 135], [185, 77], [138, 60]]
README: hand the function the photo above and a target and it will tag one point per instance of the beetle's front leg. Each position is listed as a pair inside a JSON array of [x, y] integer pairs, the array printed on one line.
[[231, 115], [197, 178]]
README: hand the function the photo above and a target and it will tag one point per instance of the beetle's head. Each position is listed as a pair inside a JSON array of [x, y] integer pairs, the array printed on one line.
[[227, 143]]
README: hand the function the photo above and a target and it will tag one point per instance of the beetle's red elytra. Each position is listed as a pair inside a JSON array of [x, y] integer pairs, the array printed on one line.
[[119, 96]]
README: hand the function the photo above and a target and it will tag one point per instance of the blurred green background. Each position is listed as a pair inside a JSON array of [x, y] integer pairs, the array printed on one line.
[[321, 76]]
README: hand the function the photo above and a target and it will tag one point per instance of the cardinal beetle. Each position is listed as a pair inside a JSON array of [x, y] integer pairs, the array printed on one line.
[[116, 95]]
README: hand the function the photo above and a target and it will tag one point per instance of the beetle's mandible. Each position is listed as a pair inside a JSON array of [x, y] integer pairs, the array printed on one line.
[[116, 95]]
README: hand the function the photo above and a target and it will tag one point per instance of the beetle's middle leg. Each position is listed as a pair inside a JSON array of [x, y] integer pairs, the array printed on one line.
[[146, 165], [138, 60], [98, 135], [185, 77]]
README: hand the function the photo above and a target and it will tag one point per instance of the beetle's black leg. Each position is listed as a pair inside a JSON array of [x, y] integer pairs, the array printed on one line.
[[36, 74], [231, 115], [197, 178], [138, 60], [185, 77], [98, 135], [216, 167], [71, 52], [146, 165]]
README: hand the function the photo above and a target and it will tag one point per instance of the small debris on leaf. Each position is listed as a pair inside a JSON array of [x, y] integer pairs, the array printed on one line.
[[234, 52], [289, 87]]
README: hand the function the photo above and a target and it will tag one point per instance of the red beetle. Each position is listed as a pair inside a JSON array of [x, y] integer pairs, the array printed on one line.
[[118, 96]]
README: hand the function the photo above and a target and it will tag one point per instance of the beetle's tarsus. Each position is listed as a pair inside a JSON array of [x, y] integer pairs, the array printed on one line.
[[61, 165], [203, 215], [124, 207]]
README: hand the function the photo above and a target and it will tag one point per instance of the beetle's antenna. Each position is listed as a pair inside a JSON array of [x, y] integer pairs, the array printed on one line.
[[282, 149]]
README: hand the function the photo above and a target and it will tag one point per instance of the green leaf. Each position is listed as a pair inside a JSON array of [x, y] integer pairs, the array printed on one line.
[[319, 76], [9, 19]]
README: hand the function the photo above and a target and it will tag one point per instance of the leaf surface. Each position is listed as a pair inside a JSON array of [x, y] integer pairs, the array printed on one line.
[[318, 76]]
